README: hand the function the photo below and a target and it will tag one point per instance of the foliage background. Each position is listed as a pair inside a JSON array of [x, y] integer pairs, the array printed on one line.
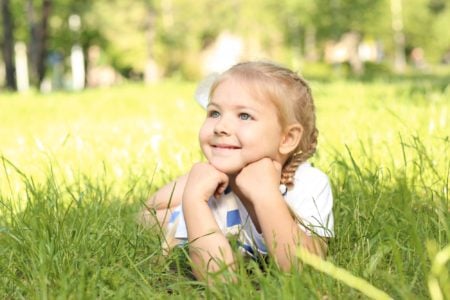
[[174, 32]]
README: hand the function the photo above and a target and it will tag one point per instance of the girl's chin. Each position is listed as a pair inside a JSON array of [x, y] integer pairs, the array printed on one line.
[[230, 171]]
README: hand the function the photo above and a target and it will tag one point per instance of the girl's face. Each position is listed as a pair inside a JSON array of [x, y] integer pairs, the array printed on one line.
[[239, 128]]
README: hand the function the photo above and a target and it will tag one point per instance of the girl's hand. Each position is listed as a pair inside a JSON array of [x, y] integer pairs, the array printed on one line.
[[204, 181], [259, 179]]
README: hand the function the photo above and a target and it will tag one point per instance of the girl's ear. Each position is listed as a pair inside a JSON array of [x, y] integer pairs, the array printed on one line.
[[290, 139]]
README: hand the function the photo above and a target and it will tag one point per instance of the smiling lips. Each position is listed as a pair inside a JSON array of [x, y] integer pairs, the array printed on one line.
[[225, 146]]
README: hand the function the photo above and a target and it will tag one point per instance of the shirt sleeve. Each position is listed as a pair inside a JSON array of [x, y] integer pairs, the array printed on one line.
[[311, 201]]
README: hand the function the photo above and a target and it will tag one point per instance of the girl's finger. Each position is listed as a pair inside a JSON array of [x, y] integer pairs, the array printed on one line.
[[221, 187]]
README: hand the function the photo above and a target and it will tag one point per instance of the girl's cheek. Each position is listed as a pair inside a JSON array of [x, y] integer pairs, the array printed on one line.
[[204, 132]]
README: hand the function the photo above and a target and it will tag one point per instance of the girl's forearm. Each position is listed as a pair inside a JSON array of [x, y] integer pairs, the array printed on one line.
[[209, 249], [282, 233]]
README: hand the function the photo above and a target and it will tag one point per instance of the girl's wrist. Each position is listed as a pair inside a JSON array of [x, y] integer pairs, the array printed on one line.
[[269, 198], [264, 195], [194, 200]]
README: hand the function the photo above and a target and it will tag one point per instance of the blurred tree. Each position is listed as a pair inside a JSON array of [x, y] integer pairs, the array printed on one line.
[[169, 33], [300, 28], [323, 20], [434, 38], [151, 38], [64, 37], [151, 71], [336, 17], [259, 24], [8, 44], [399, 37], [310, 24], [122, 25], [38, 15]]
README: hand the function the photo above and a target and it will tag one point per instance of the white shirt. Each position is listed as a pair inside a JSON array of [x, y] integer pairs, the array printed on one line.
[[310, 200]]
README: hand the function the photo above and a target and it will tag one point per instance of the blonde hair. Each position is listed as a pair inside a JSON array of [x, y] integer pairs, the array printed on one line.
[[292, 96]]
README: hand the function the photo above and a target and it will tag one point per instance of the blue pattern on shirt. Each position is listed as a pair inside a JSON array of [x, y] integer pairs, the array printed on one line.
[[233, 218]]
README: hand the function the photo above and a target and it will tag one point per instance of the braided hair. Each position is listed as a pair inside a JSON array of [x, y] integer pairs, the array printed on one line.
[[292, 96]]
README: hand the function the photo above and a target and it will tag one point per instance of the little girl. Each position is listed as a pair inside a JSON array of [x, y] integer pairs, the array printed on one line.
[[256, 184]]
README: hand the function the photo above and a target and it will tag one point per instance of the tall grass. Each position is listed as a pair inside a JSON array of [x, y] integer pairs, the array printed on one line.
[[76, 168]]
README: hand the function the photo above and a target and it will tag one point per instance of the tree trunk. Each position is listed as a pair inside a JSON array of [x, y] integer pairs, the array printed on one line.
[[38, 40], [399, 37], [8, 45], [32, 43], [43, 37], [151, 68]]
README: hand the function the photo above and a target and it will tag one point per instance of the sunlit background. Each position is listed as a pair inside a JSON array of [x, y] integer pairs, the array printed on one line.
[[63, 44]]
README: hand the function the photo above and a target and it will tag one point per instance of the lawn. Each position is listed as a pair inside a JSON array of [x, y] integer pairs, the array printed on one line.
[[76, 167]]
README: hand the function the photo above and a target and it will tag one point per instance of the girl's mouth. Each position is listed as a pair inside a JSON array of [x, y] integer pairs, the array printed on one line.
[[224, 146]]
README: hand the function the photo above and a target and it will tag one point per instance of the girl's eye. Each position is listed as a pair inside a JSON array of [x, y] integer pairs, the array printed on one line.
[[244, 116], [213, 114]]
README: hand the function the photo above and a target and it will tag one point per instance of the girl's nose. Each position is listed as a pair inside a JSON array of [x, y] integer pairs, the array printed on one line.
[[221, 127]]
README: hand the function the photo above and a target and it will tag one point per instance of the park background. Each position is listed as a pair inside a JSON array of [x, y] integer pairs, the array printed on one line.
[[98, 110]]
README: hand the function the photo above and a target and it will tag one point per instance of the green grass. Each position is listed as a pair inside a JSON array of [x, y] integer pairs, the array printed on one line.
[[76, 167]]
